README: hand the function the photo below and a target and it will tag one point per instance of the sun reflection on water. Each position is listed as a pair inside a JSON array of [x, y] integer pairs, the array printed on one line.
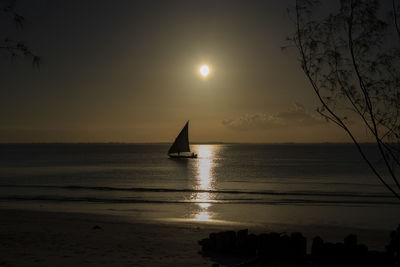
[[202, 216], [204, 205], [204, 180]]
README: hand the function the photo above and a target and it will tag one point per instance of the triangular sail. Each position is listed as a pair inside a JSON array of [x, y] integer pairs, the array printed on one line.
[[181, 143]]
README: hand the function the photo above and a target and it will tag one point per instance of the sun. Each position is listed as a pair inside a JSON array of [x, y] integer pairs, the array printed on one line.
[[204, 70]]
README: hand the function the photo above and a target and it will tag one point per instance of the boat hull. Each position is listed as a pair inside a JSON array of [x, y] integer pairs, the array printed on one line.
[[191, 156]]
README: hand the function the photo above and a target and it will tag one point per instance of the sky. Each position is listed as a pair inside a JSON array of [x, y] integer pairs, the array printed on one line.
[[128, 71]]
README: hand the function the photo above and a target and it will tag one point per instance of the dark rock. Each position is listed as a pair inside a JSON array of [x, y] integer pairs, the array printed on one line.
[[350, 253], [393, 248], [362, 249], [339, 253], [328, 252], [206, 244], [219, 241], [264, 245], [317, 247], [96, 227], [242, 238], [284, 247], [230, 237], [213, 241], [362, 253], [225, 241], [212, 236], [281, 248], [251, 245], [377, 259], [350, 240], [298, 246], [270, 245]]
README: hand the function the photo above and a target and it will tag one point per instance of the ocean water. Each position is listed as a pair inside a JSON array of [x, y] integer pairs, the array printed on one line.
[[324, 184]]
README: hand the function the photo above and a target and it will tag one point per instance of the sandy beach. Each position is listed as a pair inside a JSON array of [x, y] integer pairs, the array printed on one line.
[[36, 238]]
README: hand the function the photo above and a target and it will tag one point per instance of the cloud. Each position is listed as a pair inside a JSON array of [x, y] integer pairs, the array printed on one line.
[[296, 116]]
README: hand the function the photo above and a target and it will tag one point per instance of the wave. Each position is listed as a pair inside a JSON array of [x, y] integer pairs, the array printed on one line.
[[302, 202], [222, 192]]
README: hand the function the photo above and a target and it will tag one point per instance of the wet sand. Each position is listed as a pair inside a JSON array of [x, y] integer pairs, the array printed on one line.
[[36, 238]]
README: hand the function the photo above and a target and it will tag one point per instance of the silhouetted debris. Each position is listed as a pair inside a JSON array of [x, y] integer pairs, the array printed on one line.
[[251, 245], [348, 252], [242, 238], [298, 246], [350, 241], [206, 244], [317, 247], [96, 227], [393, 248], [226, 241], [271, 245], [280, 249]]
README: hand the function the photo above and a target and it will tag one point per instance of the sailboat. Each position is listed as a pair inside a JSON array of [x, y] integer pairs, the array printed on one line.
[[180, 148]]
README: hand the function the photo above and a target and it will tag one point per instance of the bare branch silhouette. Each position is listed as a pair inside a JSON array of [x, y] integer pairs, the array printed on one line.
[[353, 67], [17, 48]]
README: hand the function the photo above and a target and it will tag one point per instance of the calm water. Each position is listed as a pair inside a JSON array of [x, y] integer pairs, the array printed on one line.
[[292, 184]]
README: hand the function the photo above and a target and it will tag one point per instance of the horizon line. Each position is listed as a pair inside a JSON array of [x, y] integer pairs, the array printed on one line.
[[193, 143]]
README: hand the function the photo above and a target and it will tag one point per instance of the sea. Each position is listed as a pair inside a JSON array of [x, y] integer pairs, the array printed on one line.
[[260, 184]]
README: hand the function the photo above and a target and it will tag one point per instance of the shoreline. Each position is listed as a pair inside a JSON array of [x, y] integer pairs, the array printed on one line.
[[48, 238]]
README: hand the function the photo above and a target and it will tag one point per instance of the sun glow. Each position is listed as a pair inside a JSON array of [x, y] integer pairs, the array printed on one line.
[[204, 70]]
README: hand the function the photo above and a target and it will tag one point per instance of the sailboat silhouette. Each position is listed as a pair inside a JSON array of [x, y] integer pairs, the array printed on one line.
[[180, 148]]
